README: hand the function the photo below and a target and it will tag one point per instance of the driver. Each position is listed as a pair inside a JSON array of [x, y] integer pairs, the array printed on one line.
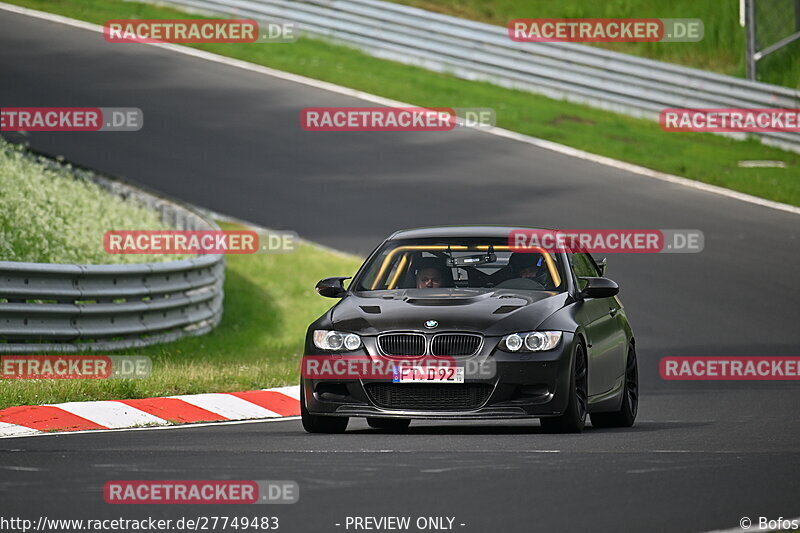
[[431, 273], [429, 278]]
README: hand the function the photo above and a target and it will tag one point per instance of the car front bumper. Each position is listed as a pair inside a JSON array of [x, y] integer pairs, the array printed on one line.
[[524, 385]]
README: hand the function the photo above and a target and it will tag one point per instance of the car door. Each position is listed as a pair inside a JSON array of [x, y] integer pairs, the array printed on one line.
[[606, 349]]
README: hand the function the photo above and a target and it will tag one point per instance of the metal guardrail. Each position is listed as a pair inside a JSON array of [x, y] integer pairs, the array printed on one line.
[[477, 51], [47, 308]]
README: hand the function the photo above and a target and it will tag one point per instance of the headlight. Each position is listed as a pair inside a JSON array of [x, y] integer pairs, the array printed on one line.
[[336, 341], [513, 342], [535, 341]]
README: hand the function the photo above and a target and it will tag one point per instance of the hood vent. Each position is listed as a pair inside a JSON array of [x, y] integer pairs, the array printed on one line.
[[371, 309], [503, 309], [446, 300]]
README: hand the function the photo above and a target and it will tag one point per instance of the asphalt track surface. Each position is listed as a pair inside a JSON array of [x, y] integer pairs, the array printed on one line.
[[701, 456]]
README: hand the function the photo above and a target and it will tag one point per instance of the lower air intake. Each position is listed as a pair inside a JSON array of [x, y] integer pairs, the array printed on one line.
[[429, 396]]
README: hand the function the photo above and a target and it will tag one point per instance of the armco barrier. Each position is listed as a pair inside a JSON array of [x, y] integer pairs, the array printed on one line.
[[47, 308], [477, 51]]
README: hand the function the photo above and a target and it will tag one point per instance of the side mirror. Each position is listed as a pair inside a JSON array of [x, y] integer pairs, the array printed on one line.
[[599, 288], [332, 287], [603, 264]]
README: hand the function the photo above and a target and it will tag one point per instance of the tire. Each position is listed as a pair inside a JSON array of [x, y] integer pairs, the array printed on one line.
[[625, 417], [390, 425], [320, 424], [574, 418]]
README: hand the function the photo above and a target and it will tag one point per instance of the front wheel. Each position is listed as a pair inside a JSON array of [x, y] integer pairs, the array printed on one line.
[[320, 424], [574, 418], [626, 415]]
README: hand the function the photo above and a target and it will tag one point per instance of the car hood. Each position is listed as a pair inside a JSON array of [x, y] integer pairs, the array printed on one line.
[[491, 312]]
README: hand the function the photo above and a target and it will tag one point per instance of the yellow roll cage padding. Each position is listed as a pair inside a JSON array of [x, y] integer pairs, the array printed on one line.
[[399, 272], [551, 265]]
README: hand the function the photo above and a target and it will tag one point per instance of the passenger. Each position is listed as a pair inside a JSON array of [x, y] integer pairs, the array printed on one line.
[[528, 266]]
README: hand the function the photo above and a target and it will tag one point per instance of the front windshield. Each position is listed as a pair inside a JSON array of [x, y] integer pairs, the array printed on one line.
[[478, 263]]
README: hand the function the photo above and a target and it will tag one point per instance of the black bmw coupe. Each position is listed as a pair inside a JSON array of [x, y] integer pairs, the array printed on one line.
[[455, 323]]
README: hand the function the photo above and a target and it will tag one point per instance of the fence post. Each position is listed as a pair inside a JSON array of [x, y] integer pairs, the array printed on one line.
[[750, 29], [797, 15]]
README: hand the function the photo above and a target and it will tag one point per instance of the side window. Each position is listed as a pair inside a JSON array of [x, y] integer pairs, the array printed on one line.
[[368, 281], [583, 267]]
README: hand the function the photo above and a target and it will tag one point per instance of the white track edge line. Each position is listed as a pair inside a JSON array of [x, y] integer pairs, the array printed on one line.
[[535, 141]]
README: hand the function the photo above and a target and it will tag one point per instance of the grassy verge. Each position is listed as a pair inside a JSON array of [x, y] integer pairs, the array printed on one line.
[[704, 157], [721, 50], [48, 216], [269, 302]]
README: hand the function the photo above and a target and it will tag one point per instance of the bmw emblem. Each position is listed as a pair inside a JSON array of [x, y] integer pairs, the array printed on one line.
[[430, 324]]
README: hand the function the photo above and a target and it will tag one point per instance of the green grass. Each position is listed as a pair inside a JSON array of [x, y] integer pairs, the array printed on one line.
[[704, 157], [269, 303], [49, 216], [721, 50]]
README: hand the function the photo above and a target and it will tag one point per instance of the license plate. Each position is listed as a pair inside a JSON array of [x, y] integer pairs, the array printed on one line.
[[425, 374]]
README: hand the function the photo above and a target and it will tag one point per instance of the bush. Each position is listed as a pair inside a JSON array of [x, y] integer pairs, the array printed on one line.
[[50, 216]]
